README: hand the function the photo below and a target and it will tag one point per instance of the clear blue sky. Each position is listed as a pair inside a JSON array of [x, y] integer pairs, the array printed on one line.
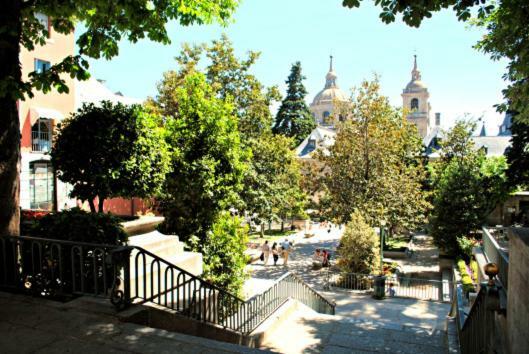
[[460, 79]]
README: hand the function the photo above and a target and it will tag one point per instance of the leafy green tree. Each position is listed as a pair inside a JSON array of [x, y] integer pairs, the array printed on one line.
[[208, 163], [223, 251], [467, 186], [294, 118], [518, 154], [273, 184], [230, 78], [110, 151], [359, 247], [271, 163], [106, 22], [375, 164]]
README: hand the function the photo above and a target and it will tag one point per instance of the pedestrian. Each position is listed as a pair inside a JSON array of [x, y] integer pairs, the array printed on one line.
[[391, 290], [265, 248], [286, 251], [275, 253], [325, 258]]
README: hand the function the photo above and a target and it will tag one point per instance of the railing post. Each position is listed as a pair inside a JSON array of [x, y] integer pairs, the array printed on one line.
[[120, 294]]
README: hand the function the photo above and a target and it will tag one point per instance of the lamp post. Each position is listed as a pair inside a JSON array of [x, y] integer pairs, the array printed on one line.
[[382, 226]]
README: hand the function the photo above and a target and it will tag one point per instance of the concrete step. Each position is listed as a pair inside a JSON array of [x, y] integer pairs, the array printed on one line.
[[308, 331]]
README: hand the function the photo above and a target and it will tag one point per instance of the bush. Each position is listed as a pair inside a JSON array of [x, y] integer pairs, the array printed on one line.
[[465, 245], [223, 252], [359, 249], [78, 225], [475, 270], [55, 271]]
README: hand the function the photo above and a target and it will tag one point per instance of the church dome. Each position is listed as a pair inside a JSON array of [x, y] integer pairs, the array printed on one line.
[[331, 91], [415, 86], [329, 95]]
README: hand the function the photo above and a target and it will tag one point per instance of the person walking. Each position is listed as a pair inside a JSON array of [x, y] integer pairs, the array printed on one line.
[[286, 251], [275, 253], [265, 248]]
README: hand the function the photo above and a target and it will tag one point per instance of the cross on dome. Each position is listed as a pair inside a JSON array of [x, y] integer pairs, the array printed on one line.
[[415, 73]]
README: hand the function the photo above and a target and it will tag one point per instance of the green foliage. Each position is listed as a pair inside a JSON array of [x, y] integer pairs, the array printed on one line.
[[467, 186], [518, 154], [105, 24], [359, 247], [465, 245], [80, 226], [223, 251], [466, 279], [208, 162], [272, 184], [230, 79], [272, 177], [375, 164], [294, 118], [110, 151]]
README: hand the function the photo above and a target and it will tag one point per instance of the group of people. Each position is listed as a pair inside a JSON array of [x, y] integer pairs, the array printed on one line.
[[320, 258], [276, 250]]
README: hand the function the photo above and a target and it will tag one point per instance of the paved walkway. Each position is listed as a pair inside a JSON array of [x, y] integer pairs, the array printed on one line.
[[300, 261], [33, 325], [425, 260]]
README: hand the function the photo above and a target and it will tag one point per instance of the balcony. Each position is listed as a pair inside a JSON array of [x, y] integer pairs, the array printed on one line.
[[40, 141]]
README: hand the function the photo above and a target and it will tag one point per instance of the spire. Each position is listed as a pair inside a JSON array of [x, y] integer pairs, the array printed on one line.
[[330, 78], [415, 73], [483, 131]]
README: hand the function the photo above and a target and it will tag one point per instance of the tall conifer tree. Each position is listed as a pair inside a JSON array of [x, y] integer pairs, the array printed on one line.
[[294, 118]]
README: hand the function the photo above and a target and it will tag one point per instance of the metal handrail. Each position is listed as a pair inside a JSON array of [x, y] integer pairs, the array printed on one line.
[[175, 288], [131, 274], [473, 332]]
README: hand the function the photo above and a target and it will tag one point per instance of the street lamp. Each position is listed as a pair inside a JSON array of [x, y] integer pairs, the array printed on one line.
[[382, 225]]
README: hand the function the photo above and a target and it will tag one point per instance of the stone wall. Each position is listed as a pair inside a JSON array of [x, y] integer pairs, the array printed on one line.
[[518, 292]]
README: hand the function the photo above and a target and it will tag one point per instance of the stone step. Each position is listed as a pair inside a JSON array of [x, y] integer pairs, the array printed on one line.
[[308, 331]]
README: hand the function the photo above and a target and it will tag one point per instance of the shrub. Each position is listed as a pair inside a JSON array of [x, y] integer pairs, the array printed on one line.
[[465, 245], [56, 271], [223, 252], [475, 270], [359, 249], [78, 225]]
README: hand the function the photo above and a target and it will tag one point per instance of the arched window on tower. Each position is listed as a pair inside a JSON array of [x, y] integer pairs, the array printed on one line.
[[326, 115], [414, 103]]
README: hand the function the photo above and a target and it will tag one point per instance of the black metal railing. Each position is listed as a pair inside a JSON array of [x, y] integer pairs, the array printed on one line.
[[496, 254], [56, 268], [153, 279], [473, 326], [129, 274], [395, 285]]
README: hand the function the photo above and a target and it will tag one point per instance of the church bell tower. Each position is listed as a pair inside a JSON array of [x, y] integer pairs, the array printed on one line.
[[415, 100]]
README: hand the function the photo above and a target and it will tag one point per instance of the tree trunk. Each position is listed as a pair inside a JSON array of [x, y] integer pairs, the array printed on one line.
[[92, 205], [100, 206], [282, 225], [9, 122], [262, 230]]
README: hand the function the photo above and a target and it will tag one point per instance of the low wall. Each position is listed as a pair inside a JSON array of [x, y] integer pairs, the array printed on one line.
[[517, 304]]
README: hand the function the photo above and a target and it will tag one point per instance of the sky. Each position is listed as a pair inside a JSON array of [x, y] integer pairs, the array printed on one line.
[[461, 80]]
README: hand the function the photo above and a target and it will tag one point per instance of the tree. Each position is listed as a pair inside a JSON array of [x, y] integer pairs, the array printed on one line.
[[271, 163], [359, 246], [106, 23], [273, 184], [294, 118], [230, 78], [223, 251], [110, 151], [375, 164], [467, 186], [518, 154], [208, 162]]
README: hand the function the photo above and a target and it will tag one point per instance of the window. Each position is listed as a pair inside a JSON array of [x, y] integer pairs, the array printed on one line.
[[41, 185], [414, 103], [41, 135], [44, 21], [312, 143], [42, 66], [326, 114]]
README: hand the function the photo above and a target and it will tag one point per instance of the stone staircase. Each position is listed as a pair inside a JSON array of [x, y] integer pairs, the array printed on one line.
[[309, 332]]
